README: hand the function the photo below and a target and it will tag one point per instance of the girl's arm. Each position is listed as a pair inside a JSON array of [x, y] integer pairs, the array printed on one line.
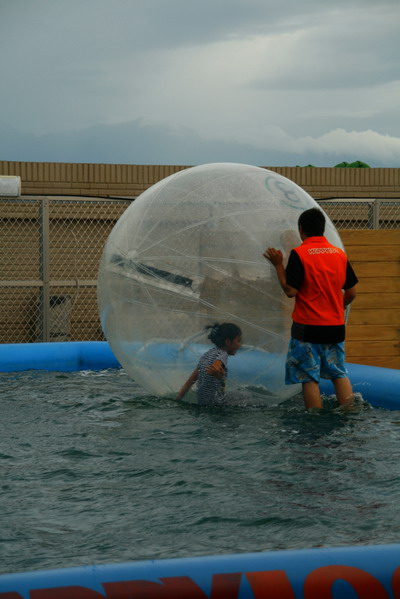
[[216, 369], [185, 388]]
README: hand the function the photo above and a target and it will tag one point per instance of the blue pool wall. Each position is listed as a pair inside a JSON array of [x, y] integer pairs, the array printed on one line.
[[369, 572], [378, 386], [68, 356]]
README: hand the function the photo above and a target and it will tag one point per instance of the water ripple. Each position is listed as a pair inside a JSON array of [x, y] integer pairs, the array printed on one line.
[[94, 470]]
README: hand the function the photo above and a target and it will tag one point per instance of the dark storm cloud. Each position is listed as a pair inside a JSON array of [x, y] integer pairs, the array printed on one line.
[[115, 80]]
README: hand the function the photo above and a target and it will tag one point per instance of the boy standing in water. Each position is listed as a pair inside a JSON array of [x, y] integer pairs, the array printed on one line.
[[315, 276]]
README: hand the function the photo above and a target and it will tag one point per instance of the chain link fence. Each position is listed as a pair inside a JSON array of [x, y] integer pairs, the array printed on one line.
[[51, 249], [363, 214]]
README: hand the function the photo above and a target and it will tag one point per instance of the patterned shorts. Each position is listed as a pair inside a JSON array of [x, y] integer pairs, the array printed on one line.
[[311, 361]]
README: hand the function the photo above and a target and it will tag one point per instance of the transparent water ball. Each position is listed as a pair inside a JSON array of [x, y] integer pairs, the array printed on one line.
[[187, 253]]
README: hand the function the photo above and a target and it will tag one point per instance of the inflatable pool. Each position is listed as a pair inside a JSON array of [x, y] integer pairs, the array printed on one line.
[[345, 573], [378, 386]]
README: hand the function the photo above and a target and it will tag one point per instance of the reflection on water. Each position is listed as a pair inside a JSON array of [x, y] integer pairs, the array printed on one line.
[[94, 470]]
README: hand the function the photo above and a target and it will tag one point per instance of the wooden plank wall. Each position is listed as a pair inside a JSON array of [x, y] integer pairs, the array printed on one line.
[[99, 180], [129, 180], [373, 331]]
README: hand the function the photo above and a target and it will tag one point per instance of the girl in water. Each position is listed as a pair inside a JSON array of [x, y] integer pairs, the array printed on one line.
[[211, 371]]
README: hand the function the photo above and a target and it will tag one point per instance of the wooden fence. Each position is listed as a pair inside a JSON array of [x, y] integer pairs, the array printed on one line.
[[373, 332], [374, 323], [129, 180], [75, 246]]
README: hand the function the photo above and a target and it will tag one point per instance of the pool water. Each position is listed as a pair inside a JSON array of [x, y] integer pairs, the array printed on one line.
[[94, 470]]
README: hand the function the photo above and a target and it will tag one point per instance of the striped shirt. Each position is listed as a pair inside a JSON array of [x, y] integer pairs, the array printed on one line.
[[210, 390]]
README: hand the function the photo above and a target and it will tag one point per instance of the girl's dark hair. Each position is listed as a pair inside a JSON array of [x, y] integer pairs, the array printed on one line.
[[312, 222], [219, 333]]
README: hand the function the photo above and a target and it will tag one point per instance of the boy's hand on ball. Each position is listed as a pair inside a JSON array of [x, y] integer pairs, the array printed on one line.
[[274, 256]]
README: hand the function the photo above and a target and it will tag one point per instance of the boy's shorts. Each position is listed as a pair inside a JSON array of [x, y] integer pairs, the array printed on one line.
[[311, 361]]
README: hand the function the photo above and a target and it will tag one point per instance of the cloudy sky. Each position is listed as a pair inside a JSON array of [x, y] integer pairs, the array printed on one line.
[[270, 83]]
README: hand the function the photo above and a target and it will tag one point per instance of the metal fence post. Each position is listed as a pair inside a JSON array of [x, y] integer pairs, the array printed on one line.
[[45, 270], [375, 214]]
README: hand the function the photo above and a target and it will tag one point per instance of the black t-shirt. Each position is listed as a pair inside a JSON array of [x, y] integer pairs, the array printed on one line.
[[308, 332]]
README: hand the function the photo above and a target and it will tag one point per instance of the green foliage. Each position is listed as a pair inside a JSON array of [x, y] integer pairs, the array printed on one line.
[[356, 164]]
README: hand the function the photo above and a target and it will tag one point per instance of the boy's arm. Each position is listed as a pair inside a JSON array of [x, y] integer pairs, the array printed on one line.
[[276, 259], [349, 285], [216, 369], [349, 295], [185, 388]]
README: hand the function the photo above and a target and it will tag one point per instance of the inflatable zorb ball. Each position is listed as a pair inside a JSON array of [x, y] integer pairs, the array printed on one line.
[[187, 253]]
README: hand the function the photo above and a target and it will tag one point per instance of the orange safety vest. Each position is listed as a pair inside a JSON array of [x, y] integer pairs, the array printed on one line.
[[319, 301]]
